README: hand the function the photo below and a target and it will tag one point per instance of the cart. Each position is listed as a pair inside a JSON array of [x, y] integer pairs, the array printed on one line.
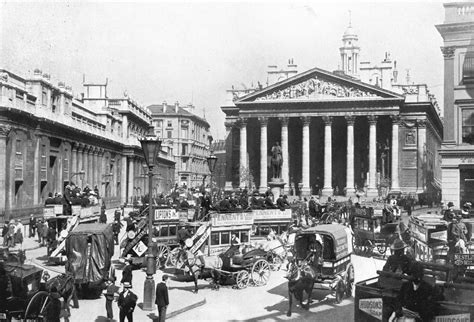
[[453, 301], [330, 265], [374, 228]]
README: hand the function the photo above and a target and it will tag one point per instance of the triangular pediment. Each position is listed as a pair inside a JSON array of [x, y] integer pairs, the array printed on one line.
[[317, 84]]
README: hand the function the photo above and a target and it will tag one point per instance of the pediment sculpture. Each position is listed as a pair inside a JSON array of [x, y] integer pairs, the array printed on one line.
[[316, 87]]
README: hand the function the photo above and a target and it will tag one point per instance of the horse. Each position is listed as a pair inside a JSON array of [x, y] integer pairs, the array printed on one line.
[[300, 281], [64, 283]]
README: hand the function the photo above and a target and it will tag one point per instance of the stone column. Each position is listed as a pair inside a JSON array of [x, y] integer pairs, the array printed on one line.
[[4, 132], [36, 171], [421, 124], [285, 167], [394, 150], [305, 189], [450, 117], [263, 154], [372, 185], [86, 167], [96, 174], [243, 166], [130, 179], [327, 189], [350, 191], [123, 180], [80, 165], [73, 162]]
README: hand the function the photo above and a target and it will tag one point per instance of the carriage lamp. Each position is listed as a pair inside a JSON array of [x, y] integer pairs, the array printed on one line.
[[211, 162], [151, 146]]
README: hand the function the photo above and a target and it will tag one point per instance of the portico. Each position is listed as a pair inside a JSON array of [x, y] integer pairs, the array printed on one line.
[[331, 130]]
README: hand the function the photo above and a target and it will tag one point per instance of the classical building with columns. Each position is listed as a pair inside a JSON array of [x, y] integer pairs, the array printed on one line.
[[48, 137], [337, 133], [457, 151], [187, 134]]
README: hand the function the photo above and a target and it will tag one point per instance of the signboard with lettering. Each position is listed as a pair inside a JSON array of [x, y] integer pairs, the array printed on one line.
[[203, 235], [464, 259], [48, 212], [373, 307], [261, 214], [441, 235], [165, 214], [230, 219], [464, 317]]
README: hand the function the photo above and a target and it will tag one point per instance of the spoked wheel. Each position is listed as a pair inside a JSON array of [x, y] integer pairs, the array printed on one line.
[[350, 281], [260, 272], [36, 305], [339, 291], [242, 279], [162, 255]]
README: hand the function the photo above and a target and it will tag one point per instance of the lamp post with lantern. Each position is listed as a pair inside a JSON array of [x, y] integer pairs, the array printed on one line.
[[151, 146], [211, 162]]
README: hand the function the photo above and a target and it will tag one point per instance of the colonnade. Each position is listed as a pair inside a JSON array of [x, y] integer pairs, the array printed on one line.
[[306, 146]]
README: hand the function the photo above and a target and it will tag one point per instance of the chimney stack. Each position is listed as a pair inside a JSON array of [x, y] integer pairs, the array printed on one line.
[[176, 107], [164, 107]]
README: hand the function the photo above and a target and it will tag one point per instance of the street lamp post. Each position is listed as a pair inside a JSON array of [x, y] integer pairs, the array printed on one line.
[[151, 147], [211, 162]]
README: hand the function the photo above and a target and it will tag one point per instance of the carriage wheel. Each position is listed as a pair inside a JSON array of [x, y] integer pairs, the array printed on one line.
[[349, 280], [242, 279], [260, 272], [36, 305], [382, 248], [339, 291], [162, 255]]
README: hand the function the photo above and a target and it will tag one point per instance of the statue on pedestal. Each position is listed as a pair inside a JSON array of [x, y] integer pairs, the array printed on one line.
[[276, 160]]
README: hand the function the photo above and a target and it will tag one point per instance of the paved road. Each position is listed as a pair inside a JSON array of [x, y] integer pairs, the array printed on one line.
[[268, 303]]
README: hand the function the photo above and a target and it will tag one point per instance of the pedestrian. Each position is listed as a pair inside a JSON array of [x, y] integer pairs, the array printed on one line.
[[19, 232], [52, 310], [109, 294], [32, 225], [11, 234], [44, 234], [127, 301], [51, 236], [103, 216], [162, 300], [116, 226], [127, 273]]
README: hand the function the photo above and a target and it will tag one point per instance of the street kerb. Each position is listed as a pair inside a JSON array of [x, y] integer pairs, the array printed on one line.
[[186, 308]]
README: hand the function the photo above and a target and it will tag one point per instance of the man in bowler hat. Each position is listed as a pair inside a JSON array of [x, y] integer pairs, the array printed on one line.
[[162, 300]]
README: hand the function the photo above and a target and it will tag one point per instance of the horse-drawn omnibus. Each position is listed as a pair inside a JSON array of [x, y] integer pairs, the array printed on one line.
[[267, 221]]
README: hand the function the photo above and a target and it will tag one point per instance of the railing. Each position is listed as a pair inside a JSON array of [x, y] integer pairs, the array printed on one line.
[[458, 12]]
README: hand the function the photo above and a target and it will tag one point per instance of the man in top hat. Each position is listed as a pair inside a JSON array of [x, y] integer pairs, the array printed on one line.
[[32, 225], [162, 300], [457, 236], [398, 262], [126, 301]]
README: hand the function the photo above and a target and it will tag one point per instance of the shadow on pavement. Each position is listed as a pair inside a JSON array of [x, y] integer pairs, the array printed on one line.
[[101, 318]]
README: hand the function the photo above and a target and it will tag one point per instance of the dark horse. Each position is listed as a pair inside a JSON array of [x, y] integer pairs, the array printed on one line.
[[276, 161], [300, 281], [65, 286]]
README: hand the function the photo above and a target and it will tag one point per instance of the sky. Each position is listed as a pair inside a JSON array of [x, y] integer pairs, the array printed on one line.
[[193, 51]]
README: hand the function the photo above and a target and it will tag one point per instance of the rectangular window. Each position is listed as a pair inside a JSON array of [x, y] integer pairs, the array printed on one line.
[[43, 164], [18, 160], [164, 231], [44, 98], [184, 149], [172, 230], [244, 236], [214, 238], [225, 239], [170, 134], [468, 125], [170, 124]]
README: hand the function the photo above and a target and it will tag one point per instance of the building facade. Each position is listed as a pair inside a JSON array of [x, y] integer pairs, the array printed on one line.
[[49, 138], [189, 138], [457, 151], [338, 134]]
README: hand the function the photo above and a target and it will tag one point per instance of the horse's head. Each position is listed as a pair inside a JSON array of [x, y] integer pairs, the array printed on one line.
[[294, 272]]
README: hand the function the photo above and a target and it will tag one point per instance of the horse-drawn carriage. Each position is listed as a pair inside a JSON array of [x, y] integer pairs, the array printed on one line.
[[376, 298], [322, 261], [373, 228], [89, 250], [26, 288]]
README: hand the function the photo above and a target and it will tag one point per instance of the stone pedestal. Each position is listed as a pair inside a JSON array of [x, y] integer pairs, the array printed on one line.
[[277, 187]]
